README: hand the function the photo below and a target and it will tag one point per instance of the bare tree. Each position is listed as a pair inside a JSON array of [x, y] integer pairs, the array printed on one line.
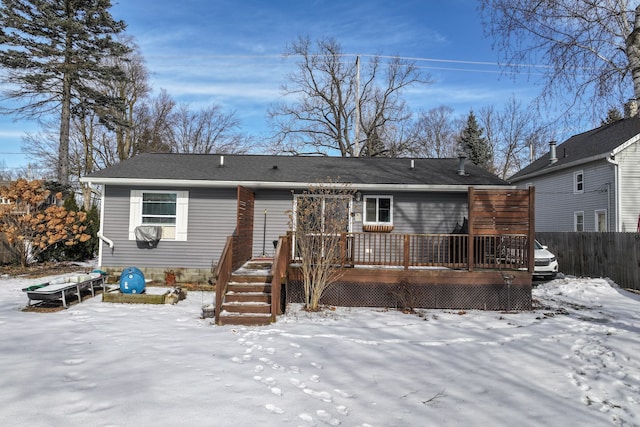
[[590, 49], [319, 220], [206, 131], [322, 118], [132, 89], [383, 113], [515, 133], [85, 149], [435, 133], [153, 124]]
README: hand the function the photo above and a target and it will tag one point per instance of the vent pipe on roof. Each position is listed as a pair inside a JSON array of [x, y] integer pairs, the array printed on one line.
[[552, 152], [221, 161], [413, 164], [462, 157]]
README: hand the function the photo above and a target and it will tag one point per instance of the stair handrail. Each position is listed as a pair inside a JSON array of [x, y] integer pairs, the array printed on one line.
[[223, 274], [279, 267]]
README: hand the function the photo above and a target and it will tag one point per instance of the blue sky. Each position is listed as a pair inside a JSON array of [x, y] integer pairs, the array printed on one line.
[[228, 53]]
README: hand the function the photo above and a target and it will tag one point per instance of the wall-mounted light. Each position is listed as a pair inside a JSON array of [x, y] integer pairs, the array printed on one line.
[[358, 196]]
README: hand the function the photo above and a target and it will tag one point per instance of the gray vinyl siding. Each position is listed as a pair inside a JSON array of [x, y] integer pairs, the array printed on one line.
[[415, 213], [556, 203], [424, 213], [277, 203], [212, 217], [629, 187]]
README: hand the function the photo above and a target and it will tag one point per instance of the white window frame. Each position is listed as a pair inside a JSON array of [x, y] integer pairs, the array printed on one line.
[[597, 213], [576, 215], [377, 221], [177, 232], [578, 181]]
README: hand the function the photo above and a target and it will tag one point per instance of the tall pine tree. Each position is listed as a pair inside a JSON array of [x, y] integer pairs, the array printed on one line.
[[53, 54], [475, 145]]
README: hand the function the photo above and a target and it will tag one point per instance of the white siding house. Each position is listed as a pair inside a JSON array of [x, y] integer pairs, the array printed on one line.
[[590, 182]]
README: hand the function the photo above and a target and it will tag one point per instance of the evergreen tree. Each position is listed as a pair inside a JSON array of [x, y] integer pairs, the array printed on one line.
[[613, 115], [53, 53], [475, 145]]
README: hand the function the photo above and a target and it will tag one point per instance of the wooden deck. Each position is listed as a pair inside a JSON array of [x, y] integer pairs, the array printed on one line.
[[488, 266]]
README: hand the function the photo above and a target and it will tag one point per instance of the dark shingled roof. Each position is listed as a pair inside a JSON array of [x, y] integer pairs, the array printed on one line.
[[594, 143], [295, 169]]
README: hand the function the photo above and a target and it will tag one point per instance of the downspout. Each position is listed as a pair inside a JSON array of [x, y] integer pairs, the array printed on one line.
[[99, 234], [106, 240], [616, 171]]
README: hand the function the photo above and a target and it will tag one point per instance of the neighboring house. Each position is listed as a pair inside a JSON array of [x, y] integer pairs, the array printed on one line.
[[196, 200], [590, 182]]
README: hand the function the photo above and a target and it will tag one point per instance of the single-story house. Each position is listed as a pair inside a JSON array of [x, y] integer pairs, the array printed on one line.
[[175, 212], [590, 182]]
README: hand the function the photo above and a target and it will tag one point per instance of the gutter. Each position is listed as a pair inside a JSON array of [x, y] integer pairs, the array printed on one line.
[[616, 172], [544, 171], [462, 188]]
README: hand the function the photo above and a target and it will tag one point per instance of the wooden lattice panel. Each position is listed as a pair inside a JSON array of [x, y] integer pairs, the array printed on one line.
[[459, 297]]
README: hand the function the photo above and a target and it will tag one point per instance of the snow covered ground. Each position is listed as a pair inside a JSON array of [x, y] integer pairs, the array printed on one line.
[[573, 361]]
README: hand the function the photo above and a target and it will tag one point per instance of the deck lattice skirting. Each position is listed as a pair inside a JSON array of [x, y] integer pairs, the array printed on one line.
[[440, 289]]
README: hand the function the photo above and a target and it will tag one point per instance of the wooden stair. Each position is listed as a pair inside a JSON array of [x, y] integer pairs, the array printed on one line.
[[248, 297]]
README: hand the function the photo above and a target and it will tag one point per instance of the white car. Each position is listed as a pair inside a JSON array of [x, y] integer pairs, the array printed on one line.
[[546, 263]]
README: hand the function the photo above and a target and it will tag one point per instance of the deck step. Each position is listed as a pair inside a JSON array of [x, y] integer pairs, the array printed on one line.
[[229, 318], [247, 308], [251, 278], [248, 297], [238, 287]]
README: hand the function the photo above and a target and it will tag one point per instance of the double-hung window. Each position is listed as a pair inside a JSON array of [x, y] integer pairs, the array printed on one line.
[[601, 220], [166, 209], [578, 182], [578, 221], [378, 210], [159, 208]]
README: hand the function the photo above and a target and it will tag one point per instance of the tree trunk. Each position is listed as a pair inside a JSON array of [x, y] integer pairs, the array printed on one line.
[[65, 115], [65, 121], [633, 53]]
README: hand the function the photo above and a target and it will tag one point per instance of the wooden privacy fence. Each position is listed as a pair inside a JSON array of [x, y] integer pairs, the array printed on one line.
[[597, 254]]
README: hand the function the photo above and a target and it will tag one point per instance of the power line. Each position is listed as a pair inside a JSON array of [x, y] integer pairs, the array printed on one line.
[[354, 55]]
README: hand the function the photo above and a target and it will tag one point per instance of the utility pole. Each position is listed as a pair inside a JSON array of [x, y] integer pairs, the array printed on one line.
[[357, 120]]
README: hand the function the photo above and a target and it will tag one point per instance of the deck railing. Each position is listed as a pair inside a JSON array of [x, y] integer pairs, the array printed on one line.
[[223, 274], [281, 261], [501, 252]]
